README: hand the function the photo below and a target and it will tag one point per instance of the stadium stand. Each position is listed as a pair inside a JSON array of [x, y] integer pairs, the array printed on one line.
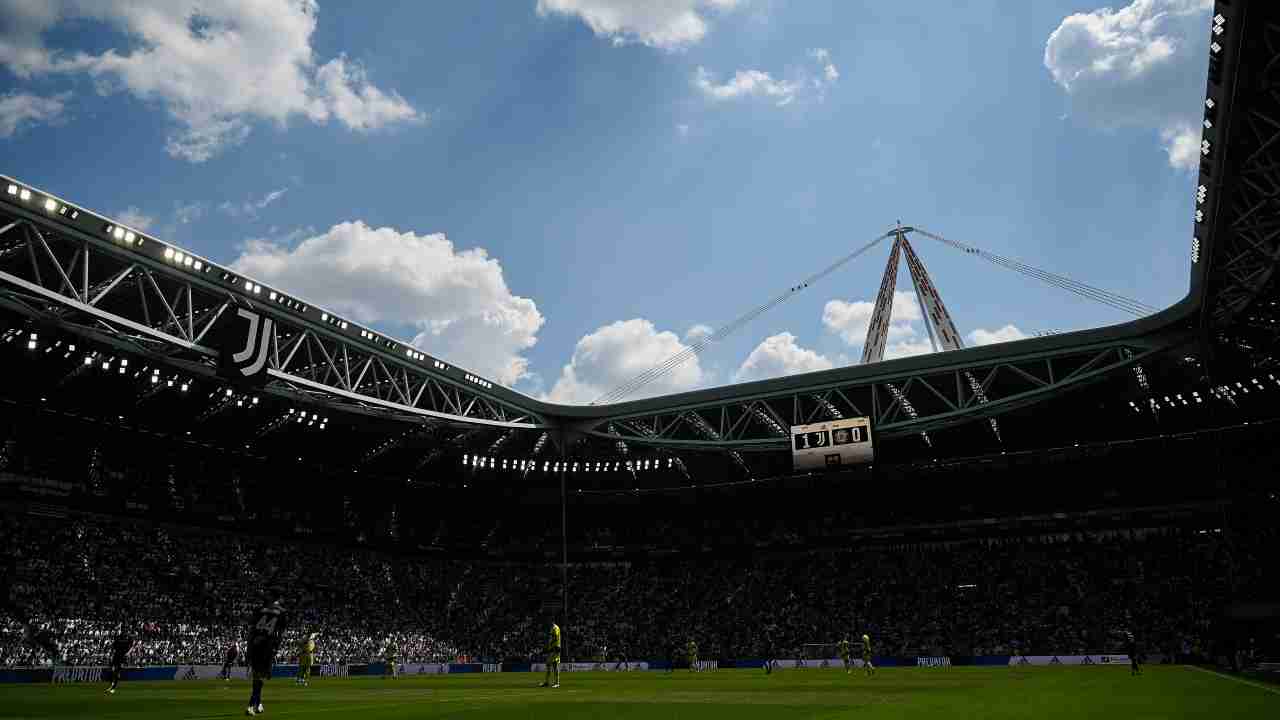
[[76, 577]]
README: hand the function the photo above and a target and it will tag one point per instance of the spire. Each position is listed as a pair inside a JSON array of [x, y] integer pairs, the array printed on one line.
[[937, 321]]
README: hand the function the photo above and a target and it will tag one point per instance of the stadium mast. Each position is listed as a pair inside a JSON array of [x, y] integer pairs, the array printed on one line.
[[937, 321]]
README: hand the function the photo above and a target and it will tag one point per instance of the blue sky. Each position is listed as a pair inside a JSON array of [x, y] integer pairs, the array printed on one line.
[[630, 170]]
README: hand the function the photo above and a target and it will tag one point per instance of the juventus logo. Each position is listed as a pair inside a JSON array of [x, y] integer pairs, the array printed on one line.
[[256, 344]]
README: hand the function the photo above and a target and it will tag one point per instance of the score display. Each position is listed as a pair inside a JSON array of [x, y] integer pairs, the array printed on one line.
[[832, 444]]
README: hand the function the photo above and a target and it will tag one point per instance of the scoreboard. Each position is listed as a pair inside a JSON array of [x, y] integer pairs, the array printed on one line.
[[832, 444]]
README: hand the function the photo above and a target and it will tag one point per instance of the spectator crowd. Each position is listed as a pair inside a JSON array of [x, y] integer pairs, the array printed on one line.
[[187, 593]]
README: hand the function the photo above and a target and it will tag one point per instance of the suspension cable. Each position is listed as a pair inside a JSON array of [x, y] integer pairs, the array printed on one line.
[[723, 332], [1106, 297]]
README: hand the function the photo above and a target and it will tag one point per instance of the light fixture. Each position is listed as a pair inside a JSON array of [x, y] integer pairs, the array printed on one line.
[[50, 204], [199, 264], [13, 189], [118, 233], [168, 253], [188, 261], [25, 194], [129, 236]]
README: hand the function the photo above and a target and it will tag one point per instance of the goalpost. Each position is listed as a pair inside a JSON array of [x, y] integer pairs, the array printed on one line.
[[822, 654]]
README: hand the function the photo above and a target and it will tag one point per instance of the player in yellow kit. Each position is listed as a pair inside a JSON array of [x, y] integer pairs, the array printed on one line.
[[306, 658], [553, 658], [866, 654], [845, 655]]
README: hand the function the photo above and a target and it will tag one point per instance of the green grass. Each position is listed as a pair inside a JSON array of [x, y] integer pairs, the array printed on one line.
[[1040, 693]]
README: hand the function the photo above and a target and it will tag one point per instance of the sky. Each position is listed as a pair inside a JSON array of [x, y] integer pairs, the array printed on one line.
[[560, 194]]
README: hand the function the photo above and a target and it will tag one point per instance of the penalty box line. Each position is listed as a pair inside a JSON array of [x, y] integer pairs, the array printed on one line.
[[1224, 676]]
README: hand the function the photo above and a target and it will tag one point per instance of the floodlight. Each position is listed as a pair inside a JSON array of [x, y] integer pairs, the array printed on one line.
[[13, 189], [199, 264], [228, 393], [184, 387], [118, 233], [129, 237], [50, 204], [188, 261], [168, 253], [25, 194]]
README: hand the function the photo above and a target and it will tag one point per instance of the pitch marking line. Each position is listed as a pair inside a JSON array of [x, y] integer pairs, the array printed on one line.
[[1224, 676]]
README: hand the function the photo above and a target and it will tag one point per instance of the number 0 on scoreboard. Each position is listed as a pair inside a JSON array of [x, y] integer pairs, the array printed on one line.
[[832, 444]]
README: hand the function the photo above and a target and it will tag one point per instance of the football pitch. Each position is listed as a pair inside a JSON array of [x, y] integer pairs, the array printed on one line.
[[1042, 693]]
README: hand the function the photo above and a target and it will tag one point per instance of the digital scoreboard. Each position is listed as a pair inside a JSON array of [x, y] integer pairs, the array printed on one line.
[[832, 444]]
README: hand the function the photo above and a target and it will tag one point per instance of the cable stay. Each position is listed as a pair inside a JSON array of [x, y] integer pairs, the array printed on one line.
[[725, 331], [1106, 297]]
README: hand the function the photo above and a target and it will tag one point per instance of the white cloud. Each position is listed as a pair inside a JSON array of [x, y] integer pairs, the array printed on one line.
[[665, 24], [617, 353], [913, 345], [1008, 333], [697, 332], [135, 218], [1139, 66], [1183, 146], [457, 300], [189, 213], [746, 83], [777, 356], [214, 65], [850, 320], [23, 109], [359, 104], [804, 81], [250, 208]]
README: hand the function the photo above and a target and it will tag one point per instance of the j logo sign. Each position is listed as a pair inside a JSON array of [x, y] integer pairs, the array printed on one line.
[[245, 339], [255, 344]]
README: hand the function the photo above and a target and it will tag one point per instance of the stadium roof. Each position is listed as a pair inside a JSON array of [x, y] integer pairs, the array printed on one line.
[[72, 276]]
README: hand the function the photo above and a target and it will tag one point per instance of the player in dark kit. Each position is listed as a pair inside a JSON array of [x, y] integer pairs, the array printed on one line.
[[265, 633], [120, 648], [1135, 653], [233, 653]]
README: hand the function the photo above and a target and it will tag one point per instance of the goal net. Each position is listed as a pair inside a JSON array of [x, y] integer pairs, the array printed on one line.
[[814, 654]]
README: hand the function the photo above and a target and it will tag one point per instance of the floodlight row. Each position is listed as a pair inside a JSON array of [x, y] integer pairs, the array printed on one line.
[[176, 257], [488, 462]]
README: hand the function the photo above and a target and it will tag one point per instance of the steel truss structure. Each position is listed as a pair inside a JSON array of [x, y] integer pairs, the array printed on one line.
[[67, 273], [898, 403], [1245, 193], [95, 288]]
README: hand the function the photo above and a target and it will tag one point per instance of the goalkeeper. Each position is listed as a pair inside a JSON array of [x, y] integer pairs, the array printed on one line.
[[553, 658], [306, 658]]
